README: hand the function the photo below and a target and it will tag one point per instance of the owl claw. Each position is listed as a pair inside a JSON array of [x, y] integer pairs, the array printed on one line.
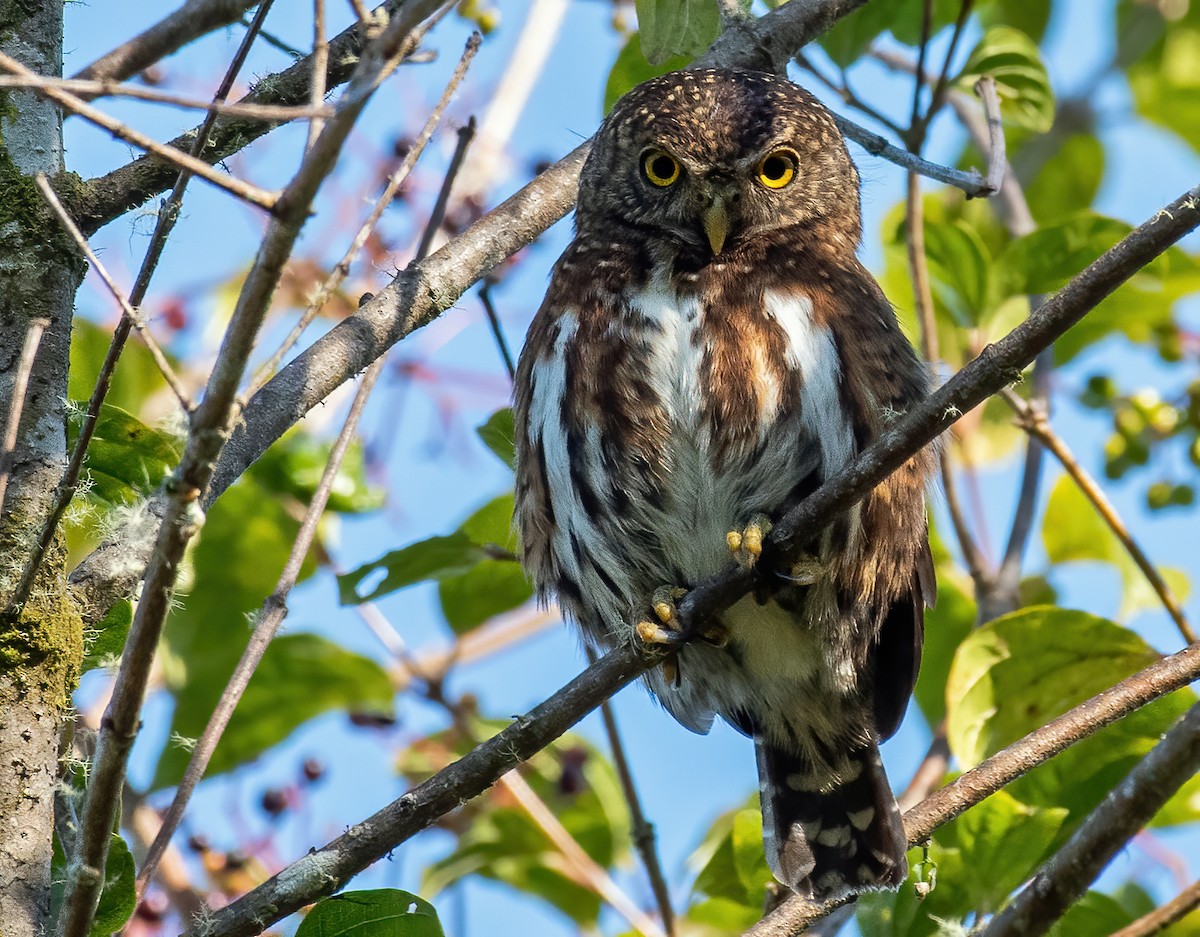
[[666, 630], [806, 570], [746, 545]]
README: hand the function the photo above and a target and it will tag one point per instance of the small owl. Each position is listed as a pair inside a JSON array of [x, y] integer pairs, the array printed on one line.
[[708, 352]]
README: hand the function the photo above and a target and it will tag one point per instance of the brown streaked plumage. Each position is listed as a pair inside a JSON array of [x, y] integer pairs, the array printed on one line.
[[710, 350]]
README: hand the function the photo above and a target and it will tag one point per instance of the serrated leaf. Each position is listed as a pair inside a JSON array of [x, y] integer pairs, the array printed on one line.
[[382, 912], [126, 459], [676, 27], [498, 433], [108, 640], [628, 71], [300, 677], [1014, 61]]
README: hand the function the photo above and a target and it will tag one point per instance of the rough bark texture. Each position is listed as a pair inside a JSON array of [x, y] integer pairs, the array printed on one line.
[[41, 646]]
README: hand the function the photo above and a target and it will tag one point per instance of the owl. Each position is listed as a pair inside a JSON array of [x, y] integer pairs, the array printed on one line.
[[708, 352]]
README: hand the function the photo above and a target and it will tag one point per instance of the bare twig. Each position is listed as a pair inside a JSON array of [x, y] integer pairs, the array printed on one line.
[[466, 134], [1160, 678], [189, 22], [270, 617], [127, 310], [985, 87], [168, 214], [342, 269], [939, 88], [485, 297], [975, 185], [327, 869], [210, 428], [1127, 808], [176, 157], [1161, 918], [1033, 420], [320, 58], [111, 89], [16, 404], [642, 829]]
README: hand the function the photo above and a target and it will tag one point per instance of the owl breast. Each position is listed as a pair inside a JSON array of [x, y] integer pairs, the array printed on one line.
[[706, 411]]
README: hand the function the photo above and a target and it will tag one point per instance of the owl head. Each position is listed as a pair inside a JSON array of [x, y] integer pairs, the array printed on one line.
[[714, 158]]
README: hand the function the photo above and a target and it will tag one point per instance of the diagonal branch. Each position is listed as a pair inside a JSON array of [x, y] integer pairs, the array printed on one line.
[[325, 870], [1127, 808], [189, 22]]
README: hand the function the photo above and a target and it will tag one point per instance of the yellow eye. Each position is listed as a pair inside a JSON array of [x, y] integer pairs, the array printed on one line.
[[660, 168], [777, 169]]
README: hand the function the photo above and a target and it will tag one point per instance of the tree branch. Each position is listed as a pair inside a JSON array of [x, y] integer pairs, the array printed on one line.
[[188, 23], [1161, 918], [1157, 680], [1127, 808], [325, 871]]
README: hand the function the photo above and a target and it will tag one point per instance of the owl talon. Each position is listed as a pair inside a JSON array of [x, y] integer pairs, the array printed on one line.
[[666, 630], [746, 544]]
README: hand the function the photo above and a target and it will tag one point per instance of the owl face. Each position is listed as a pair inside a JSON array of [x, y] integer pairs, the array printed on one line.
[[713, 158]]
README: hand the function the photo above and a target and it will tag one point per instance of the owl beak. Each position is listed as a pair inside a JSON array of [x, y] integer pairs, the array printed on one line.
[[715, 219]]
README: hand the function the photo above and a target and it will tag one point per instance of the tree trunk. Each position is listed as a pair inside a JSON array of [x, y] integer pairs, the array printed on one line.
[[40, 644]]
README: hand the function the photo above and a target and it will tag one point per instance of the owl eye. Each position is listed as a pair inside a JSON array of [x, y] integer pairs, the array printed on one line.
[[660, 168], [777, 169]]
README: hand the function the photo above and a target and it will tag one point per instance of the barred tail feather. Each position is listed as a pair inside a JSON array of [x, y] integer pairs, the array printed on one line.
[[826, 843]]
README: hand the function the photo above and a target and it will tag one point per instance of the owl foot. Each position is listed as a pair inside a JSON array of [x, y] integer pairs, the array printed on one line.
[[666, 629], [746, 545]]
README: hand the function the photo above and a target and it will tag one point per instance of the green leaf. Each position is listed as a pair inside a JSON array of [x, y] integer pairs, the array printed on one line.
[[300, 677], [1013, 60], [118, 899], [498, 433], [294, 467], [1029, 16], [1073, 531], [382, 912], [746, 837], [1068, 182], [1094, 915], [1166, 81], [126, 459], [850, 36], [435, 558], [959, 266], [486, 590], [108, 640], [628, 71], [1022, 670], [1045, 260], [135, 379], [676, 27]]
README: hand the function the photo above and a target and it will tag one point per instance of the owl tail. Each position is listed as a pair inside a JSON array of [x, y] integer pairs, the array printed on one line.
[[827, 843]]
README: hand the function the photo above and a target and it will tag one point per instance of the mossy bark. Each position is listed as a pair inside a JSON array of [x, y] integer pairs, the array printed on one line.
[[41, 645]]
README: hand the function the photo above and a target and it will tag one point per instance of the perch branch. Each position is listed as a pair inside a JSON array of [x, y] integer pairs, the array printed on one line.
[[1161, 918]]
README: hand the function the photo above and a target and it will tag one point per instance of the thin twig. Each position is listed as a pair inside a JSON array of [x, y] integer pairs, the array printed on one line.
[[16, 404], [1033, 420], [1126, 809], [341, 269], [1161, 918], [939, 89], [325, 870], [189, 22], [946, 803], [168, 214], [915, 127], [642, 829], [270, 617], [971, 182], [239, 187], [843, 90], [360, 11], [209, 430], [274, 113], [320, 60], [985, 87], [127, 310], [466, 134], [485, 297]]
